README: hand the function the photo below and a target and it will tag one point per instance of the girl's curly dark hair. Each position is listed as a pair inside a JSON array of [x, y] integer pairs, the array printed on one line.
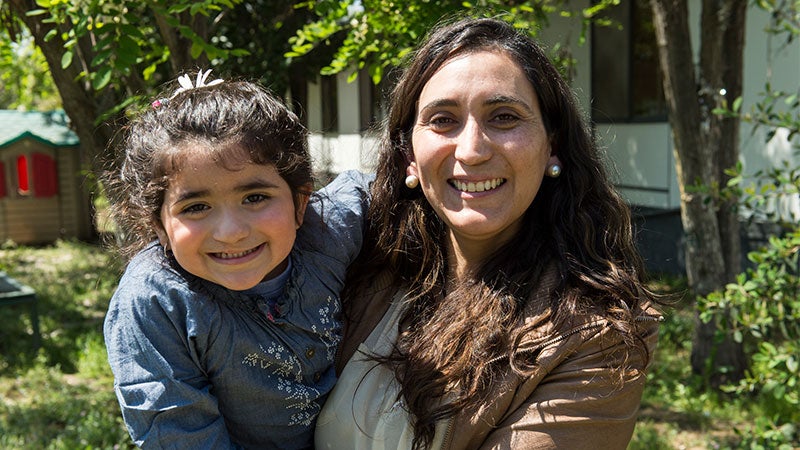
[[233, 121]]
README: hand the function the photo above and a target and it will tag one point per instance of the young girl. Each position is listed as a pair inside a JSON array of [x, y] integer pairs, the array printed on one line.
[[223, 329]]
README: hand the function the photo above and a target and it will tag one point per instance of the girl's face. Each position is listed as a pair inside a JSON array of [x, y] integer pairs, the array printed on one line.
[[232, 227], [480, 150]]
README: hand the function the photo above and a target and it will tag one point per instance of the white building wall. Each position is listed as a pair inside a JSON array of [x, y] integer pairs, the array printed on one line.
[[348, 148]]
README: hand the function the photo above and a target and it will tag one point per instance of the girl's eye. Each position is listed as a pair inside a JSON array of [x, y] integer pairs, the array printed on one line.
[[255, 198], [194, 209]]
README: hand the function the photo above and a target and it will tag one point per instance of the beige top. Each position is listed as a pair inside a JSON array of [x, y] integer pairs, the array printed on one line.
[[363, 411]]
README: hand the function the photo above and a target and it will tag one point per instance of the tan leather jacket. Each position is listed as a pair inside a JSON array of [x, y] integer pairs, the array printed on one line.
[[573, 400]]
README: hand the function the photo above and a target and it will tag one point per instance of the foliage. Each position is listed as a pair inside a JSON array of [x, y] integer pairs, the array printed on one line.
[[764, 305], [124, 34], [676, 410], [263, 28], [137, 45], [25, 82], [764, 302], [378, 35]]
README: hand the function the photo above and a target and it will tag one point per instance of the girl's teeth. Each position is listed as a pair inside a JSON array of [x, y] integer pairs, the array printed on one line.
[[479, 186], [234, 255]]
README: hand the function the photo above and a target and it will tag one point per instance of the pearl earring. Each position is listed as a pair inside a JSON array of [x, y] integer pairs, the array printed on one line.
[[554, 171], [412, 181]]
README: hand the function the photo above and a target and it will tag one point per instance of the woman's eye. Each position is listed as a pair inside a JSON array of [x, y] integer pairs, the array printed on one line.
[[440, 122], [255, 198], [505, 118]]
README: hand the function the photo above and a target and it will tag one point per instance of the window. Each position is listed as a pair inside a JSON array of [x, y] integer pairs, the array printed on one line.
[[330, 102], [370, 101], [23, 187], [36, 175], [626, 78], [3, 191]]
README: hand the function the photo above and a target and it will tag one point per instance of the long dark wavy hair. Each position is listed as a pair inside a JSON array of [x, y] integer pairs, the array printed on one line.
[[234, 122], [459, 333]]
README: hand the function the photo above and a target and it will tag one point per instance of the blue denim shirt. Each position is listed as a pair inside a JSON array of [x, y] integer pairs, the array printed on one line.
[[198, 366]]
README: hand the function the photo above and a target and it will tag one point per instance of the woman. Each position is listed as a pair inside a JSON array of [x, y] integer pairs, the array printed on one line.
[[498, 300]]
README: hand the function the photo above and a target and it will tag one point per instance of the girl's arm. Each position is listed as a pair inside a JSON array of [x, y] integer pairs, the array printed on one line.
[[166, 400]]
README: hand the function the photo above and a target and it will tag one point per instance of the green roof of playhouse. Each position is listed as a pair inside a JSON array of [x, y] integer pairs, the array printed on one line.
[[50, 127]]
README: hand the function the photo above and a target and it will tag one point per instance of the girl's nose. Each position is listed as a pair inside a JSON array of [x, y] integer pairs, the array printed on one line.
[[231, 227], [472, 144]]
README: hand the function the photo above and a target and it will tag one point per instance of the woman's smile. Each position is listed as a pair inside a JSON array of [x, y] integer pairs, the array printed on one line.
[[477, 186]]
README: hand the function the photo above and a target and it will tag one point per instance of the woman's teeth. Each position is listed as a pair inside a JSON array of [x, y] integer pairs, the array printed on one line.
[[479, 186]]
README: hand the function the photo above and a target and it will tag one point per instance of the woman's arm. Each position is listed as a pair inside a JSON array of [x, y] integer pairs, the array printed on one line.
[[580, 403]]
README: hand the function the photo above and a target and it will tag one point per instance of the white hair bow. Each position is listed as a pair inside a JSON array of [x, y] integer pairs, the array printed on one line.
[[186, 82]]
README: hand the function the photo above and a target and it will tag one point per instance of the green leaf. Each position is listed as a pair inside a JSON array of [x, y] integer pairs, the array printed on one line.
[[737, 104], [792, 364], [66, 59], [102, 77]]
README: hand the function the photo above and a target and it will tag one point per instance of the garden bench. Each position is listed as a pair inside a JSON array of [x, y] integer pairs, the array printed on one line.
[[13, 292]]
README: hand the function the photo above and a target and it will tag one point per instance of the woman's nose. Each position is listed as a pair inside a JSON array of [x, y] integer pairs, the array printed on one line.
[[473, 146]]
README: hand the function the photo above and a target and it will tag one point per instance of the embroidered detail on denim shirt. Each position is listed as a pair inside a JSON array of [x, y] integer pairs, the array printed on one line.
[[286, 368], [283, 364], [329, 336], [302, 396]]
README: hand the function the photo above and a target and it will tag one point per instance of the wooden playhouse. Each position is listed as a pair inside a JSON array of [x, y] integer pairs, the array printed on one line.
[[43, 196]]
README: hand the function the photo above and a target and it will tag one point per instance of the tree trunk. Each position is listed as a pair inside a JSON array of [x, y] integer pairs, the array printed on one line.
[[704, 147], [77, 97], [180, 55], [82, 103]]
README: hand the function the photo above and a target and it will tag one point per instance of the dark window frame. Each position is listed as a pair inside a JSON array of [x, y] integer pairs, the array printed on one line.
[[639, 69]]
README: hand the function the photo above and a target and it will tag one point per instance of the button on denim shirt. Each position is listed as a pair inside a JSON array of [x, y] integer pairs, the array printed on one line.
[[198, 366]]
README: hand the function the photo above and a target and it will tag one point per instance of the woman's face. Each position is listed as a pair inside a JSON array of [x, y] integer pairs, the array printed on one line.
[[480, 150]]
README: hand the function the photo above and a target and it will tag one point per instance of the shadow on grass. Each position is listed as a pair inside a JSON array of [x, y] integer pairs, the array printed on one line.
[[73, 283]]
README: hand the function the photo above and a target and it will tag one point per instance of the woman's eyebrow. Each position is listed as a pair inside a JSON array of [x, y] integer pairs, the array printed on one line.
[[493, 100], [506, 99], [438, 103]]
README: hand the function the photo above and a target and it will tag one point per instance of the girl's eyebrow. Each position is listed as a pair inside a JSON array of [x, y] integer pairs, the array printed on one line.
[[256, 184], [189, 195], [248, 186]]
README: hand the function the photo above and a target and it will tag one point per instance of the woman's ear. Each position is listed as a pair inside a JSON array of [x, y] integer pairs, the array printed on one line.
[[554, 167], [302, 197], [411, 169]]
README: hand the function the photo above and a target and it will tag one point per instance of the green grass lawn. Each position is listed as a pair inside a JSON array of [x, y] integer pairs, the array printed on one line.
[[61, 397]]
